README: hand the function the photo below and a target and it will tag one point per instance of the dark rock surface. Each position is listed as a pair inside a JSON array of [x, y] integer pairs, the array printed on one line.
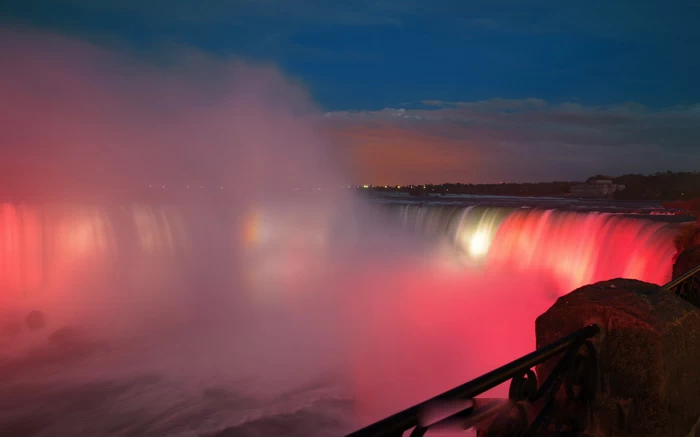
[[648, 354], [687, 260], [688, 237], [690, 288]]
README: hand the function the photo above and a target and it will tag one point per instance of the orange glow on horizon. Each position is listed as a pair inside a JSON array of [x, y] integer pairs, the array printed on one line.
[[386, 154]]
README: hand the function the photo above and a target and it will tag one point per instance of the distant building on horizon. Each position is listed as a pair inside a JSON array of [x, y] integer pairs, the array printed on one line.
[[597, 189]]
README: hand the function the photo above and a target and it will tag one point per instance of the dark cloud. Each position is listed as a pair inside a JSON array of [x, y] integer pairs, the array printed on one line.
[[371, 53], [77, 114], [535, 140]]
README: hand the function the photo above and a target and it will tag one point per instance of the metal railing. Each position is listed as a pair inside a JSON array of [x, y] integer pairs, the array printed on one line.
[[687, 286], [529, 408], [530, 404]]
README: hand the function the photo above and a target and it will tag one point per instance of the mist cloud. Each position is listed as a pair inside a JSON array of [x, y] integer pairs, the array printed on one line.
[[80, 119]]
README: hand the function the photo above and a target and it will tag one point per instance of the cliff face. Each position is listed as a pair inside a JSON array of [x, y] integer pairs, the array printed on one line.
[[690, 236], [687, 239], [689, 257]]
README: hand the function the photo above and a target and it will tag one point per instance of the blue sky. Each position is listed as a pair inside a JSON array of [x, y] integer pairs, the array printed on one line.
[[531, 90], [375, 54]]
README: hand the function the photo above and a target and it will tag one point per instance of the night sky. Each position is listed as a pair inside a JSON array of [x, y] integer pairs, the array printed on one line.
[[436, 91]]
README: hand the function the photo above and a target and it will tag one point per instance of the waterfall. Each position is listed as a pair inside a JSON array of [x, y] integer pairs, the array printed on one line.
[[577, 248]]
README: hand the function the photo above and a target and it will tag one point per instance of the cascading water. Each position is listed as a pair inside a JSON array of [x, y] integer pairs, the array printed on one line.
[[577, 248], [71, 261], [49, 249], [195, 294], [403, 314], [580, 249], [444, 325]]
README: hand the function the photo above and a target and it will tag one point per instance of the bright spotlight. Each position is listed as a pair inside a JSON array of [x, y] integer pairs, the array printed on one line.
[[479, 244]]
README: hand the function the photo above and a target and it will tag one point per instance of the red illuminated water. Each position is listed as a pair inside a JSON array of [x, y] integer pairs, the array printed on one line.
[[444, 325], [70, 258], [579, 249], [576, 248], [400, 322], [21, 250]]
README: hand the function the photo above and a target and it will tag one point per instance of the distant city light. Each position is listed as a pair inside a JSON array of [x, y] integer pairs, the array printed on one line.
[[366, 186]]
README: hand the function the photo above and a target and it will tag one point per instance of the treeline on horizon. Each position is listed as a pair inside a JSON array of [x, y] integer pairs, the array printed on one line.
[[661, 186]]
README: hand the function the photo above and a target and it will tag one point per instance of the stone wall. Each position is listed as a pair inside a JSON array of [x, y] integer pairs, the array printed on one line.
[[648, 357]]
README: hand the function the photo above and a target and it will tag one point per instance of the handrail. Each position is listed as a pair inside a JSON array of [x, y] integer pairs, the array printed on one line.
[[397, 424], [687, 286], [519, 371], [682, 278]]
